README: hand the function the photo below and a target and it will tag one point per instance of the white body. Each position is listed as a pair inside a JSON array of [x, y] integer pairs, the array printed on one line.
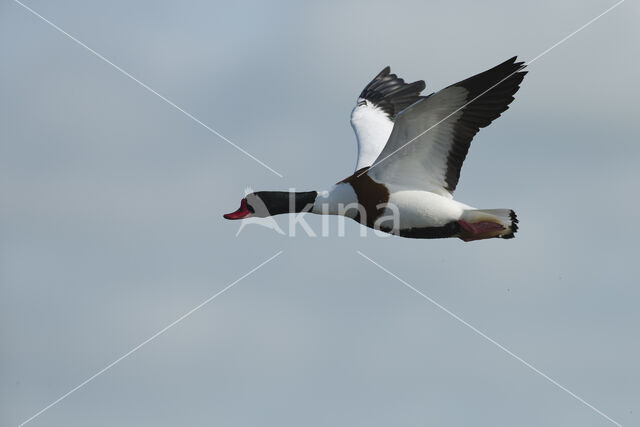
[[418, 208], [412, 208]]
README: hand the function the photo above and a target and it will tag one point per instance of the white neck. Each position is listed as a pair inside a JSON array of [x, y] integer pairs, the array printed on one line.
[[340, 199]]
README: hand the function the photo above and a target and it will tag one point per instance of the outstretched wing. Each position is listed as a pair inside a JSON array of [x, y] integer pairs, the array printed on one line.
[[379, 103], [431, 138]]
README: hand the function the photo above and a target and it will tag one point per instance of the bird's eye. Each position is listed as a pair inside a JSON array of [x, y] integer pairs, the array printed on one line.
[[361, 103]]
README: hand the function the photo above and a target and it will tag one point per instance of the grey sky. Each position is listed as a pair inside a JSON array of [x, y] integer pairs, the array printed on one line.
[[112, 201]]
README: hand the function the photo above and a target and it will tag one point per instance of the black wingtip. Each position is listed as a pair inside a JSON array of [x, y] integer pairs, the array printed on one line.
[[390, 92], [488, 95], [382, 74]]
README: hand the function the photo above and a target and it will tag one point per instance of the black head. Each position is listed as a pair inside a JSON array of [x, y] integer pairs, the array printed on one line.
[[262, 204]]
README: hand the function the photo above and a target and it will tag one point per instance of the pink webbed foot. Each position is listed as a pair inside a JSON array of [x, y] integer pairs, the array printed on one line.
[[478, 230]]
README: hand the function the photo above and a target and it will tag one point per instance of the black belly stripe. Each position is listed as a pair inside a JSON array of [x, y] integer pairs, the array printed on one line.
[[451, 229]]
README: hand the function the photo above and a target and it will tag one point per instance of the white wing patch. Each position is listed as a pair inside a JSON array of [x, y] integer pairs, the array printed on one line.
[[372, 127], [378, 104]]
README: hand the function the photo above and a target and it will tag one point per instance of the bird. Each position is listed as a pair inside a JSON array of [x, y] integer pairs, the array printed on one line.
[[410, 152]]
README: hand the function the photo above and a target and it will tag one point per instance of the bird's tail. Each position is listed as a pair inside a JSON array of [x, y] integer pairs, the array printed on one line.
[[477, 224]]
